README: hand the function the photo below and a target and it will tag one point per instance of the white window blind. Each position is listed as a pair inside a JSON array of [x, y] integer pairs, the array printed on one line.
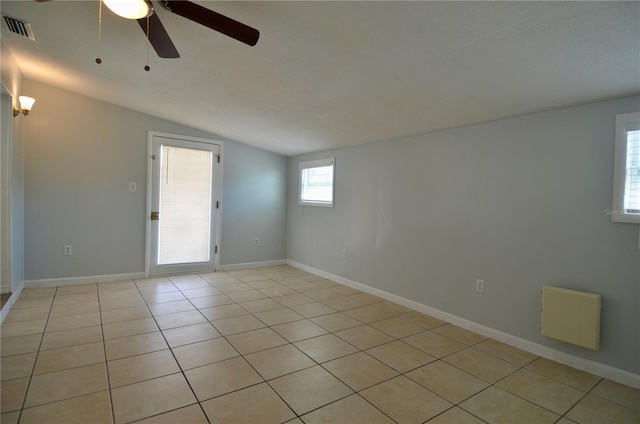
[[185, 205], [626, 178], [632, 174], [316, 182]]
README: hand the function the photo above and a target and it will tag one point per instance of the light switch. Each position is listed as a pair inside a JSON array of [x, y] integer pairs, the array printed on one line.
[[132, 187]]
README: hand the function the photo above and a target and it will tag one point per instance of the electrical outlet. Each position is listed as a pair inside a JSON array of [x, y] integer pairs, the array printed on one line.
[[68, 250], [256, 241], [480, 286], [344, 253]]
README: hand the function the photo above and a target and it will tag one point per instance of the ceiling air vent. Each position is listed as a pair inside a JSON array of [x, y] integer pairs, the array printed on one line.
[[19, 26]]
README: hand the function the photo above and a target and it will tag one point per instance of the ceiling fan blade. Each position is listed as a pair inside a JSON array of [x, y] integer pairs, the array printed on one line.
[[158, 37], [213, 20]]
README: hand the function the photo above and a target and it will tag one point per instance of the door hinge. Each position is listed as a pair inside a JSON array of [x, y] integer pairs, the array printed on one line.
[[215, 251], [219, 158], [217, 204], [153, 157]]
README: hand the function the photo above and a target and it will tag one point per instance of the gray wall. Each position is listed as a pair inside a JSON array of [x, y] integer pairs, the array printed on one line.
[[80, 154], [255, 190], [517, 202]]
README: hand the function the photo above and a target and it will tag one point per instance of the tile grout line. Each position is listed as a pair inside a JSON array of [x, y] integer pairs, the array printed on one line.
[[400, 373], [289, 343], [26, 392], [519, 367], [467, 346], [38, 355], [265, 381], [221, 336], [182, 371], [494, 385], [360, 350], [582, 398], [357, 392], [106, 362]]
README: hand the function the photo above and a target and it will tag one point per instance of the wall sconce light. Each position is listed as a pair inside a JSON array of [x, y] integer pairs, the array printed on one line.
[[26, 103]]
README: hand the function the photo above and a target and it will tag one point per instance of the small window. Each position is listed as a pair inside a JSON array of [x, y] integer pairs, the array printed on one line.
[[316, 182], [626, 178]]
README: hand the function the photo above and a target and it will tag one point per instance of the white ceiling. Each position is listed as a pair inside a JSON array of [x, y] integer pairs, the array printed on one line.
[[334, 74]]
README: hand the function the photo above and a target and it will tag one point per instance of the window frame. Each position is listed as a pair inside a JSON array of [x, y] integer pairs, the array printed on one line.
[[624, 123], [317, 164]]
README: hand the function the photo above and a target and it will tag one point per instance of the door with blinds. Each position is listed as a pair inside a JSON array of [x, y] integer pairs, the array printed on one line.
[[182, 219]]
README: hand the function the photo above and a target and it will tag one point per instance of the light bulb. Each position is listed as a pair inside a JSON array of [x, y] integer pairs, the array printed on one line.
[[130, 9]]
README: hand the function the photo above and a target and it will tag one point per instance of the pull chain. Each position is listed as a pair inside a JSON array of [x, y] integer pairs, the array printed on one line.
[[146, 67], [98, 59]]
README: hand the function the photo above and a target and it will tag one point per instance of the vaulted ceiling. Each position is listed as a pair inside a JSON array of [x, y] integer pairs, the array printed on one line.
[[333, 74]]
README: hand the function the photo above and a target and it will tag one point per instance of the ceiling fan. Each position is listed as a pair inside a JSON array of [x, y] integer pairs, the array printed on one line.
[[143, 12]]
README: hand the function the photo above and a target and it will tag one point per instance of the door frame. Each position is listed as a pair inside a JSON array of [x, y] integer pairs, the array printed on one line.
[[6, 195], [217, 182]]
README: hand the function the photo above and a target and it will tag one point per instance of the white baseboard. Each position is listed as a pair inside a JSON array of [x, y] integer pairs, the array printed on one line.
[[53, 282], [606, 371], [72, 281], [246, 265], [12, 299]]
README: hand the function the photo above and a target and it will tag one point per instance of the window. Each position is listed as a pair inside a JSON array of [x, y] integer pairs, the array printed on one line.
[[316, 183], [626, 178]]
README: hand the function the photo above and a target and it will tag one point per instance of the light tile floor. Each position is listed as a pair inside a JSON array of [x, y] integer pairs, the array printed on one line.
[[273, 345]]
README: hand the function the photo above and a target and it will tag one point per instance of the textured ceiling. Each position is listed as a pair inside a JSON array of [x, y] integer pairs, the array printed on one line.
[[334, 74]]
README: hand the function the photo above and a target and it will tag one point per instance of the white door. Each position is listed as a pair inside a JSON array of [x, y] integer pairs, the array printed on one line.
[[184, 205]]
